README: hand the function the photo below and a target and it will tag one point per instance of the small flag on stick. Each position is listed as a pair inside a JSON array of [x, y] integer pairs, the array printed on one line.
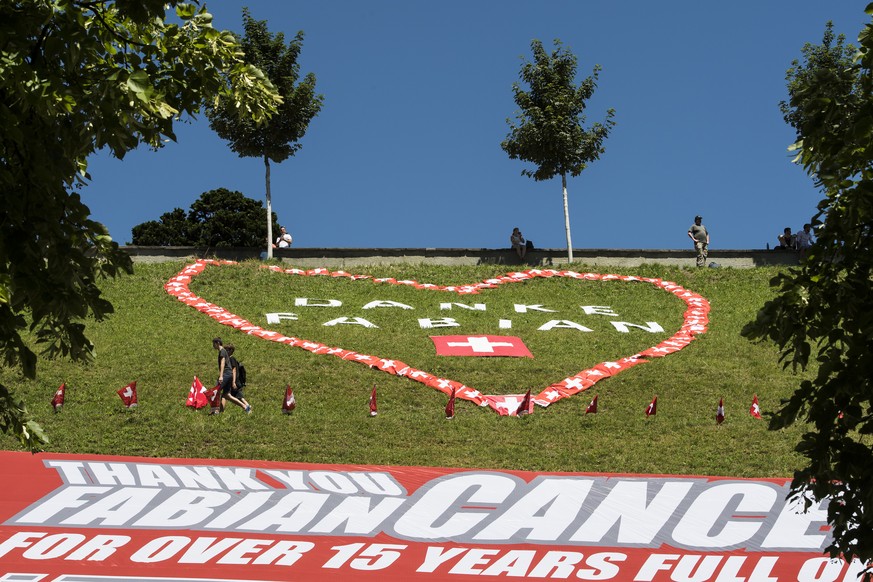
[[58, 398], [755, 410], [289, 403], [128, 395], [719, 412], [197, 395], [652, 408], [526, 406], [592, 406], [214, 398], [373, 407], [450, 406]]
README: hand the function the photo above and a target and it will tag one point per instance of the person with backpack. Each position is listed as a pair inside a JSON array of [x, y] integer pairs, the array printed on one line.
[[238, 372]]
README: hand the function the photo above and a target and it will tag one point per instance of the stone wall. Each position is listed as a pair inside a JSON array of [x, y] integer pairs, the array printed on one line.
[[346, 258]]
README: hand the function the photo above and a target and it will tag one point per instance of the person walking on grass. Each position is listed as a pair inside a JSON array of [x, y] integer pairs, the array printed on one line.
[[700, 236], [236, 391], [225, 375]]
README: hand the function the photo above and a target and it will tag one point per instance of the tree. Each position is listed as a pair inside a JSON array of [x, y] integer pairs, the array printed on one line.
[[550, 130], [278, 138], [218, 219], [822, 308], [77, 76]]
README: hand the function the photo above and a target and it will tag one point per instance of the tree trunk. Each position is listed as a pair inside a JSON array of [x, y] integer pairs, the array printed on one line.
[[567, 219], [270, 211]]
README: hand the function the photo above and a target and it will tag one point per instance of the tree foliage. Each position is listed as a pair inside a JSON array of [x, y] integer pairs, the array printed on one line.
[[218, 219], [77, 76], [550, 131], [822, 309], [278, 139]]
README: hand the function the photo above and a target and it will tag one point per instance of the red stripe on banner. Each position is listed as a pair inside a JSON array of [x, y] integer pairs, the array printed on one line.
[[88, 517]]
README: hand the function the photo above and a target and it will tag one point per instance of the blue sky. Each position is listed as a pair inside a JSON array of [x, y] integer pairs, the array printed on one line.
[[406, 150]]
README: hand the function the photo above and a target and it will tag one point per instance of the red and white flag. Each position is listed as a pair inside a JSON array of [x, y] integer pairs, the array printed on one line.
[[289, 403], [450, 406], [373, 407], [128, 395], [526, 406], [213, 396], [480, 345], [755, 410], [592, 407], [197, 395], [652, 408], [58, 398], [719, 412]]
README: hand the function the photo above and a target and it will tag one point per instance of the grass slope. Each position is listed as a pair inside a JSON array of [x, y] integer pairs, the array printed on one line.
[[162, 343]]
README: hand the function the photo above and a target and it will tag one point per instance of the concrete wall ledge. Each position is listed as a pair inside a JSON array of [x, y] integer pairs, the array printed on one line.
[[356, 257]]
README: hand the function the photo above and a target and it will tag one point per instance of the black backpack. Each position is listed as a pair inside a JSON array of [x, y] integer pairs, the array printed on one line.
[[241, 376]]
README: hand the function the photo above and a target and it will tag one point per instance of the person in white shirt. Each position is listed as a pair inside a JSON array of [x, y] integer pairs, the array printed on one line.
[[284, 239], [803, 238]]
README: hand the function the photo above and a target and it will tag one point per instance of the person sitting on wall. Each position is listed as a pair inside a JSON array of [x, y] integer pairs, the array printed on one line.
[[786, 239], [516, 239], [803, 238]]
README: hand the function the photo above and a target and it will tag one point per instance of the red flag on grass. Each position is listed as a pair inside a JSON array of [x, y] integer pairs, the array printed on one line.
[[526, 406], [719, 412], [652, 408], [128, 395], [450, 406], [289, 403], [755, 410], [213, 396], [592, 407], [373, 411], [197, 395], [58, 398]]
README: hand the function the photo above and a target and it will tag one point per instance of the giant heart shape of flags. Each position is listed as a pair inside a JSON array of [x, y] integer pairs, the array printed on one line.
[[695, 321]]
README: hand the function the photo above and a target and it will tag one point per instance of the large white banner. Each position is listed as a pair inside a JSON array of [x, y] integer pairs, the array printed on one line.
[[88, 518]]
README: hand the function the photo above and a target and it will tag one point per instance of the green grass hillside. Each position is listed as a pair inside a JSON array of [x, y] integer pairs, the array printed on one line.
[[162, 344]]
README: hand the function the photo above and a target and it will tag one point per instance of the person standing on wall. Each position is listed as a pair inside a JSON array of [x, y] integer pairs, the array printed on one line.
[[700, 236], [284, 240]]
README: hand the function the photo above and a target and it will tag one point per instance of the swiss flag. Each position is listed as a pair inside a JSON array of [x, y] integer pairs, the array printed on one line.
[[373, 411], [213, 396], [450, 406], [719, 412], [289, 403], [480, 345], [197, 395], [128, 395], [592, 407], [58, 398], [652, 408], [526, 406], [755, 410]]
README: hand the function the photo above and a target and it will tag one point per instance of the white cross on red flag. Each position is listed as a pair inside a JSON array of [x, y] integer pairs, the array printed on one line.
[[755, 409], [652, 408], [592, 407], [480, 345], [58, 399], [128, 395], [290, 403], [213, 396], [197, 395]]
